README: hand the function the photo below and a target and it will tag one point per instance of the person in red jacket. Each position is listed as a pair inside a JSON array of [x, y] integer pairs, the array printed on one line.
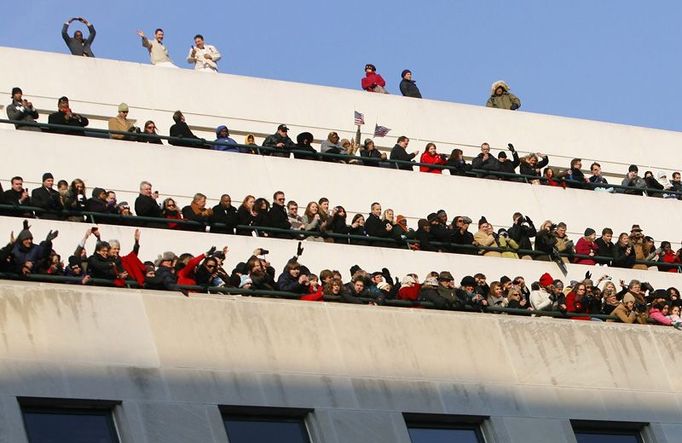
[[373, 82], [586, 246], [432, 157], [574, 301], [670, 257]]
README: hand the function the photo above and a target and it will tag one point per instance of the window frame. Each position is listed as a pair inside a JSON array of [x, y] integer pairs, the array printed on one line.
[[606, 427], [70, 406], [447, 421], [267, 413]]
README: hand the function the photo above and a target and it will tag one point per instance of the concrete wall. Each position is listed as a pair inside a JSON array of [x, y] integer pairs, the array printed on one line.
[[258, 105], [171, 360]]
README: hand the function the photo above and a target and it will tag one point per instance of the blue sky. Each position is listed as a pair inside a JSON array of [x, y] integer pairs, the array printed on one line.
[[607, 60]]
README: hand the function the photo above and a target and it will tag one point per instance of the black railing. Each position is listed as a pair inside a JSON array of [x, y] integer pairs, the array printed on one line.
[[187, 289], [303, 154], [294, 234]]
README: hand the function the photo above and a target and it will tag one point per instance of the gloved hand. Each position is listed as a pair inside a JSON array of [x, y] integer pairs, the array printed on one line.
[[514, 107], [51, 235], [588, 275], [511, 147], [211, 251]]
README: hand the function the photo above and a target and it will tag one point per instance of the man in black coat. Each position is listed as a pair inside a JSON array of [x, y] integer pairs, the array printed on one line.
[[47, 197], [485, 164], [605, 246], [225, 214], [399, 152], [375, 227], [521, 232], [64, 116], [145, 203], [462, 236], [98, 202], [277, 216], [280, 141], [180, 130], [506, 165], [408, 87]]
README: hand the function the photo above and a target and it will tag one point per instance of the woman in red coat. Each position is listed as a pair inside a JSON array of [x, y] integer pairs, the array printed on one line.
[[586, 246], [575, 303], [430, 156], [373, 82]]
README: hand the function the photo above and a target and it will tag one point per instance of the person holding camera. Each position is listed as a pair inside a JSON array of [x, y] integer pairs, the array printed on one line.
[[485, 238], [76, 44], [623, 252], [120, 123], [431, 157], [625, 312], [66, 117], [521, 232], [22, 110], [545, 241], [641, 247]]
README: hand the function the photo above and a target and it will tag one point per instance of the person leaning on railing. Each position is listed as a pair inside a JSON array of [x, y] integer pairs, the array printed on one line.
[[487, 163], [456, 163], [531, 165], [280, 141], [399, 152]]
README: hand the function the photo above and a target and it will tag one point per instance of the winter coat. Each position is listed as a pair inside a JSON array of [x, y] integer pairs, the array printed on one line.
[[17, 111], [372, 80], [487, 167], [624, 315], [435, 159], [77, 121], [540, 300], [399, 153], [34, 254], [457, 167], [146, 206], [510, 247], [409, 88], [526, 169], [463, 238], [672, 260], [657, 316], [46, 198], [165, 279], [521, 233], [584, 247], [636, 186], [505, 101], [483, 239], [273, 140], [577, 306], [277, 218], [100, 267], [181, 130], [82, 48], [604, 249], [621, 259], [545, 242], [370, 157], [227, 144], [509, 166], [226, 216], [185, 276], [287, 283], [245, 218]]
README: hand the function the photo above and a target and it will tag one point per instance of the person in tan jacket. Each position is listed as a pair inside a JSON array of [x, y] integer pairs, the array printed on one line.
[[625, 311], [485, 237], [121, 123]]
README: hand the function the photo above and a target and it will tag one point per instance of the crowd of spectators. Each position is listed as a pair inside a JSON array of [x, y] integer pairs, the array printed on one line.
[[321, 221], [22, 258], [532, 168]]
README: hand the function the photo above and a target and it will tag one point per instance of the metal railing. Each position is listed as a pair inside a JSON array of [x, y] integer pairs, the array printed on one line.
[[21, 211], [188, 289], [303, 154]]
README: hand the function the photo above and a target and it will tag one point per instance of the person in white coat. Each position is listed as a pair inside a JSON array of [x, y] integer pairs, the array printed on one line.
[[204, 57]]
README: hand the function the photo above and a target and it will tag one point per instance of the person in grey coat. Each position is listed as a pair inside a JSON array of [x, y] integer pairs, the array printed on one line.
[[22, 110], [77, 45]]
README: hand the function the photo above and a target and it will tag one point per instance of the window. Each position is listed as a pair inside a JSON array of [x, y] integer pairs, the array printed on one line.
[[68, 421], [607, 431], [437, 428], [264, 425]]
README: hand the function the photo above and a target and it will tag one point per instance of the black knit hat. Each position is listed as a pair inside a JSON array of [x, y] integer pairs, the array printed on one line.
[[48, 175], [405, 72]]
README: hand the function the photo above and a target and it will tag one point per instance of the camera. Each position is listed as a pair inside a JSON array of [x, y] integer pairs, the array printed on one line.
[[552, 227], [264, 251]]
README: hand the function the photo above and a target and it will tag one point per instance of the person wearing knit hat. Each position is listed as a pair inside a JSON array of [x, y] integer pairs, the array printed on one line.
[[625, 312], [25, 251], [47, 198], [120, 123], [586, 246], [541, 299], [408, 87], [66, 117], [98, 202], [372, 81], [22, 110]]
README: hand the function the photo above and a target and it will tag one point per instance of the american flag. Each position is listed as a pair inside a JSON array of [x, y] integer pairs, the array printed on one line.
[[380, 131], [359, 118]]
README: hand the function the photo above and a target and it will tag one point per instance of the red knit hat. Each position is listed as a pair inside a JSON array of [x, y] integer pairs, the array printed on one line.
[[546, 280]]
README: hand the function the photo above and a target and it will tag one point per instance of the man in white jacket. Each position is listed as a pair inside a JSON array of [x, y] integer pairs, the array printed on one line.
[[541, 299], [203, 56]]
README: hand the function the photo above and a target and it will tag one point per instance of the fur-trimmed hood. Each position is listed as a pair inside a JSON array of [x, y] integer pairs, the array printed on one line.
[[497, 84]]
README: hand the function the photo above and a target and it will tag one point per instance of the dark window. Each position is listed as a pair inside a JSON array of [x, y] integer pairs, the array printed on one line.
[[436, 428], [607, 432], [265, 425], [63, 423]]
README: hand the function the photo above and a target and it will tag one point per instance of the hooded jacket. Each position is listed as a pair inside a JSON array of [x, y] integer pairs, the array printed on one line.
[[227, 144], [505, 101]]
